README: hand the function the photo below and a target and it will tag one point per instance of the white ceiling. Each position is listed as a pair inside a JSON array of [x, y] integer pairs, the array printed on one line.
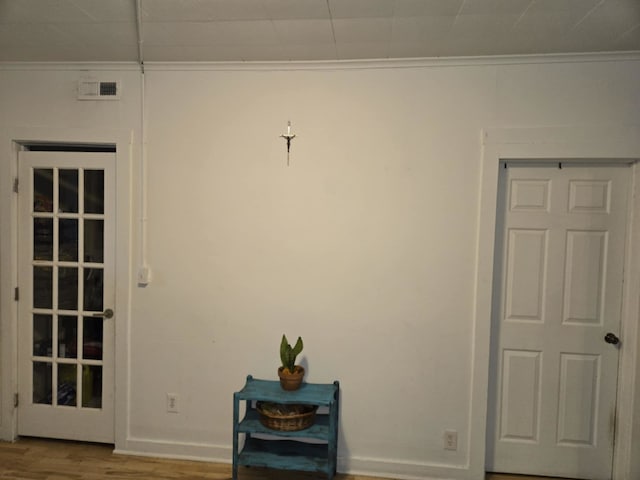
[[307, 30]]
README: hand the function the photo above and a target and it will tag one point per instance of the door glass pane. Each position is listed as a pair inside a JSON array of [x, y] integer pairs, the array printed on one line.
[[42, 335], [42, 382], [42, 287], [67, 336], [92, 386], [67, 384], [68, 240], [94, 241], [92, 338], [93, 289], [68, 198], [43, 190], [43, 239], [68, 288], [68, 228], [94, 191]]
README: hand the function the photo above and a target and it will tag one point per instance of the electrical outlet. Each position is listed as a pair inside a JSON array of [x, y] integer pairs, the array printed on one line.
[[172, 402], [450, 438]]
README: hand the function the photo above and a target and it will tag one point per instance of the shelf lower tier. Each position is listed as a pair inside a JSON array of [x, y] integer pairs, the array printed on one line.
[[285, 455], [318, 431]]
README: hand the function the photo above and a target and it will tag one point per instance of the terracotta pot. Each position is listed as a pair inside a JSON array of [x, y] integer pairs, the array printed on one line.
[[291, 381]]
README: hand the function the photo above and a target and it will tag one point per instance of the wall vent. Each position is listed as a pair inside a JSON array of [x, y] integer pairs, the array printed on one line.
[[94, 89]]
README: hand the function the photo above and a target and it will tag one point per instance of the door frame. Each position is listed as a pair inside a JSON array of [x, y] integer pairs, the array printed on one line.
[[10, 144], [603, 145]]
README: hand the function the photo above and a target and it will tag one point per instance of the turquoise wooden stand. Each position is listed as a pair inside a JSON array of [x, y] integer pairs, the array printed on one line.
[[292, 453]]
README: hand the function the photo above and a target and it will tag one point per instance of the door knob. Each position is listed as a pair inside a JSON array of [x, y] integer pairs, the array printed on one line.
[[108, 313], [611, 338]]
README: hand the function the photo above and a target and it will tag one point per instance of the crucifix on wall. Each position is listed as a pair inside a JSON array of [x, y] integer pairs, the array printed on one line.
[[288, 137]]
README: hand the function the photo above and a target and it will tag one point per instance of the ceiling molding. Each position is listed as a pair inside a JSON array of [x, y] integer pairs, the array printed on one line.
[[330, 65], [62, 66]]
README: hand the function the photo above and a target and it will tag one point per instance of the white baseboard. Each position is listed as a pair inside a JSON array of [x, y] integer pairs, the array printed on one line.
[[201, 452], [383, 468], [402, 470]]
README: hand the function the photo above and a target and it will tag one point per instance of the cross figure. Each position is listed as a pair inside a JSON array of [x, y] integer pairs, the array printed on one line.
[[288, 137]]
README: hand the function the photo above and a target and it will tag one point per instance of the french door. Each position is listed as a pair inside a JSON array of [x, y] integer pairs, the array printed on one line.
[[66, 295], [561, 248]]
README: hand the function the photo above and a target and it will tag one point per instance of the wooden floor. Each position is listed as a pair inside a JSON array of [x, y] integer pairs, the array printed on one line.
[[35, 459]]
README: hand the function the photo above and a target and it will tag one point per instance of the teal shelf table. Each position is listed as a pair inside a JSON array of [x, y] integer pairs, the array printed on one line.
[[313, 449]]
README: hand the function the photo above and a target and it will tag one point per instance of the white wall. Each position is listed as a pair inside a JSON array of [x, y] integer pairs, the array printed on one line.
[[365, 245]]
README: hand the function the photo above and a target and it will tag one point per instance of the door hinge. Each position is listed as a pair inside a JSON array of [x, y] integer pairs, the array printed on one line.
[[15, 185], [16, 400], [16, 294]]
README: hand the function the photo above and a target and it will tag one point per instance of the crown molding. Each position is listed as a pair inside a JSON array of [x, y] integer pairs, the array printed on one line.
[[75, 66], [388, 63]]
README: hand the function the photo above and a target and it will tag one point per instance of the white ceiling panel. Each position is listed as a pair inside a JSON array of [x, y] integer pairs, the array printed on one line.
[[415, 49], [459, 46], [180, 34], [612, 18], [252, 32], [105, 53], [41, 11], [202, 10], [411, 8], [297, 52], [484, 26], [362, 30], [308, 30], [546, 26], [304, 32], [628, 40], [99, 34], [171, 53], [15, 35], [239, 53], [495, 7], [578, 7], [106, 10], [362, 50], [257, 32], [297, 9], [361, 8], [420, 29]]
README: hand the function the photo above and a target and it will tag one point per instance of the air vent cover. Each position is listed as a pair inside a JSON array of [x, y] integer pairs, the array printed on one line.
[[94, 89]]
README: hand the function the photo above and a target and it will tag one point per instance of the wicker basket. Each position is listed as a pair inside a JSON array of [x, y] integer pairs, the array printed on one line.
[[285, 417]]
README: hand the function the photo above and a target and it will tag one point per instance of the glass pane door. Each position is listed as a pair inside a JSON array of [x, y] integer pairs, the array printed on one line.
[[69, 264], [68, 251]]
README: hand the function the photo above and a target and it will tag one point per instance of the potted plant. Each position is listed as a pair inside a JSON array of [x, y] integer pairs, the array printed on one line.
[[290, 374]]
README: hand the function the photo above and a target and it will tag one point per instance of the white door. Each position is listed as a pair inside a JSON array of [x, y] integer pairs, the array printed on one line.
[[66, 293], [560, 260]]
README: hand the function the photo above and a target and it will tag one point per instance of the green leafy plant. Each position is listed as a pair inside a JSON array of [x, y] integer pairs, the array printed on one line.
[[288, 354]]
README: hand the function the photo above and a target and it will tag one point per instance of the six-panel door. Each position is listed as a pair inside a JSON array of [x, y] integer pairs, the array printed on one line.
[[560, 261]]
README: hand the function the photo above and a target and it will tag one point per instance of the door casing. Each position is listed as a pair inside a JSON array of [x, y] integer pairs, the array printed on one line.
[[553, 144], [11, 141]]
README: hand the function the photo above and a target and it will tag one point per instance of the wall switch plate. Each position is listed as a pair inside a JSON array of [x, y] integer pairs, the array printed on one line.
[[450, 438], [172, 402], [144, 275]]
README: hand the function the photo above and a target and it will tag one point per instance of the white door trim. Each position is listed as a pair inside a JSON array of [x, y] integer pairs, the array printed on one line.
[[10, 140], [611, 144]]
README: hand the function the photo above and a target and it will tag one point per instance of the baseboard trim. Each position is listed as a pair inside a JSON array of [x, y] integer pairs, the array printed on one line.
[[388, 468], [200, 452], [383, 468]]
